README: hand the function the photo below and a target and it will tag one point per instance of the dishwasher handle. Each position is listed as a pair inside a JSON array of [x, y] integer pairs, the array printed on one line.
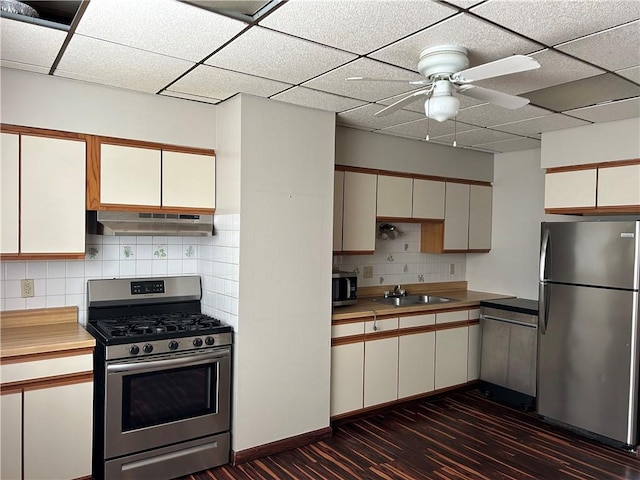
[[508, 320]]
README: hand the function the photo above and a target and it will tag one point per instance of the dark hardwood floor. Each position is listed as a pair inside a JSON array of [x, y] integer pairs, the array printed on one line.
[[456, 436]]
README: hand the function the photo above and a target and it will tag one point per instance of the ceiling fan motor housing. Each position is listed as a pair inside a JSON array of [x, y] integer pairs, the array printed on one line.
[[443, 60]]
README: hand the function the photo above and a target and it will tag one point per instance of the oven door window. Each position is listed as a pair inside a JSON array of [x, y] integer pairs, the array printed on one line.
[[165, 396]]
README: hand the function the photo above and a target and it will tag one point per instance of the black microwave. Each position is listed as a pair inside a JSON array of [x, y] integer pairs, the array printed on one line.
[[344, 288]]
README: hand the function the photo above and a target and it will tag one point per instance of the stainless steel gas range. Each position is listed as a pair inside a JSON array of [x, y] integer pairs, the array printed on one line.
[[162, 379]]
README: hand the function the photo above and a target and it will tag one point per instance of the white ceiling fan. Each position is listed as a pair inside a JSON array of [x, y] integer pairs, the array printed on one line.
[[446, 72]]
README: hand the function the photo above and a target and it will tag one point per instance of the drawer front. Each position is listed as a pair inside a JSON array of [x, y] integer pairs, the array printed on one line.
[[449, 317], [417, 320], [31, 370], [499, 314], [381, 325], [347, 329]]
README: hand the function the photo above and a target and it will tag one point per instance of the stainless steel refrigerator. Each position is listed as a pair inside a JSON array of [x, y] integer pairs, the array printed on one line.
[[588, 327]]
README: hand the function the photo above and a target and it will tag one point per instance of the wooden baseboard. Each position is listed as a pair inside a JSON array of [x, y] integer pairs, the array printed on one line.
[[272, 448]]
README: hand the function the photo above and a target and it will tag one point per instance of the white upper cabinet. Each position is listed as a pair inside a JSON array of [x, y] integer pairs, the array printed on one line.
[[394, 196], [52, 218], [480, 203], [9, 192], [572, 189], [156, 177], [359, 213], [428, 199], [456, 216], [619, 186], [130, 175], [188, 180], [338, 205]]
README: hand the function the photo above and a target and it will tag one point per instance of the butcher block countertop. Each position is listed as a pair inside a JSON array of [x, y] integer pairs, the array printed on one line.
[[41, 331], [456, 291]]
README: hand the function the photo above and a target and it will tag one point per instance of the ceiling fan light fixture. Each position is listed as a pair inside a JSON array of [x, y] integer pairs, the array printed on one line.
[[442, 107]]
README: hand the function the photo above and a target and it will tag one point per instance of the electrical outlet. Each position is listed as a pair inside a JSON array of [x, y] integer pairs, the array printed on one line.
[[452, 268], [27, 288], [367, 272]]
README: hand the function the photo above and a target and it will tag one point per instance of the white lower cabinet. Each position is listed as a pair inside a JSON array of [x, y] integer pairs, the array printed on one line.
[[347, 377], [58, 445], [11, 436], [416, 361], [451, 357], [380, 371], [401, 358]]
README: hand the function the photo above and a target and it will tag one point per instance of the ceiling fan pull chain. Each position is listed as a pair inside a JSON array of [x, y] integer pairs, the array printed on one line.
[[455, 131], [427, 112]]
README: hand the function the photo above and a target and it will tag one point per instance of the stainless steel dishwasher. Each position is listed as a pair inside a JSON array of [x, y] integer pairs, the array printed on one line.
[[509, 350]]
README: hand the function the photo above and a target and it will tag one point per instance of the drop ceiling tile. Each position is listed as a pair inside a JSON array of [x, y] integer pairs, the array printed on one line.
[[484, 41], [335, 80], [315, 99], [583, 93], [36, 54], [476, 137], [162, 26], [269, 54], [613, 49], [419, 128], [555, 69], [363, 117], [187, 96], [487, 115], [609, 112], [212, 82], [546, 123], [554, 22], [511, 145], [632, 74], [356, 26], [111, 64]]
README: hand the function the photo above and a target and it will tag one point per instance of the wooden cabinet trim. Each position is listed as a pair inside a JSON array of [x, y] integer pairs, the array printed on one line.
[[47, 382], [154, 209], [592, 166], [355, 252], [450, 325], [375, 171], [416, 330], [335, 342], [370, 337], [43, 132], [32, 357], [154, 145], [622, 210], [42, 256]]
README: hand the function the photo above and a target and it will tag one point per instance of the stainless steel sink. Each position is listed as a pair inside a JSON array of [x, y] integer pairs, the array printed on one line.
[[411, 300]]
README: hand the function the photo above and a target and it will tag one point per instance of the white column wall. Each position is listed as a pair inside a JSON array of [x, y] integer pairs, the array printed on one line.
[[284, 313], [518, 208]]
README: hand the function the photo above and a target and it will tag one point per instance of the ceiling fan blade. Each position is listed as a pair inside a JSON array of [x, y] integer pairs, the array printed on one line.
[[402, 102], [504, 66], [378, 79], [500, 99]]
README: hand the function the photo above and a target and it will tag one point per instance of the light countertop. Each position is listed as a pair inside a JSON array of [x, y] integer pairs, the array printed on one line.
[[41, 331]]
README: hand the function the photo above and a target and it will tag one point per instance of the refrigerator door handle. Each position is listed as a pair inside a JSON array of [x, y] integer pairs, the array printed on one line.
[[542, 289]]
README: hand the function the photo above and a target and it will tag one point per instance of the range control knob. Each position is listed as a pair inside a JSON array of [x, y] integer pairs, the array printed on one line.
[[209, 340], [148, 348], [134, 349], [173, 345], [197, 342]]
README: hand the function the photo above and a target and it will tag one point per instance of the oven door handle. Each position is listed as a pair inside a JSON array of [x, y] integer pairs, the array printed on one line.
[[185, 361]]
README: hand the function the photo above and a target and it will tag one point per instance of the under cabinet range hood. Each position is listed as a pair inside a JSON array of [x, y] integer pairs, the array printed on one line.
[[133, 223]]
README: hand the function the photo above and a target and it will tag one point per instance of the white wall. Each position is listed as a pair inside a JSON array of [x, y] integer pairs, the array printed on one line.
[[373, 150], [518, 208], [282, 344], [37, 100], [599, 142]]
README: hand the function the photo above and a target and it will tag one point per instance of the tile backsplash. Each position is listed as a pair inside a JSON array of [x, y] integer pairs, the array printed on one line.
[[59, 283], [399, 261]]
